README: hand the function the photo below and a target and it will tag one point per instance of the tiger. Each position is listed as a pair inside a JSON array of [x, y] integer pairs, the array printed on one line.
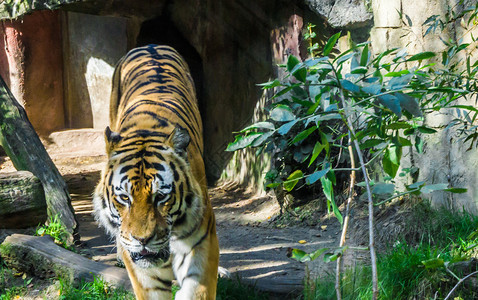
[[152, 195]]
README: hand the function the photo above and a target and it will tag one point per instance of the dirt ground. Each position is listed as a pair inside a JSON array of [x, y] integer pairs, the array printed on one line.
[[252, 245]]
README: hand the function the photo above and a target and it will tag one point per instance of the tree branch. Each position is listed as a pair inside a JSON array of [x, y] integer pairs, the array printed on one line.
[[346, 219]]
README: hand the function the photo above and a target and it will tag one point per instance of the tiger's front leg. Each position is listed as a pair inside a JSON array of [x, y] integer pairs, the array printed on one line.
[[196, 270], [149, 283]]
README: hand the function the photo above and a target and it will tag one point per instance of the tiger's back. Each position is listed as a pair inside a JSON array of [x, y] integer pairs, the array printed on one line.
[[155, 88], [152, 195]]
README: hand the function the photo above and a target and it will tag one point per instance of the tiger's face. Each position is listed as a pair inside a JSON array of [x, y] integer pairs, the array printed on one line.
[[147, 189]]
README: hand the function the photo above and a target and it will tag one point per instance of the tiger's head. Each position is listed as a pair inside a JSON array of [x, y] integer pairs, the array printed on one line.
[[147, 194]]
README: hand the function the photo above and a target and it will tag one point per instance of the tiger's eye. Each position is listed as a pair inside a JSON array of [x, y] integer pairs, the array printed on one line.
[[124, 197], [160, 199]]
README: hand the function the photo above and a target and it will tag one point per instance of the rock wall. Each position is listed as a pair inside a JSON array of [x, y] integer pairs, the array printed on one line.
[[445, 158], [31, 64], [92, 46]]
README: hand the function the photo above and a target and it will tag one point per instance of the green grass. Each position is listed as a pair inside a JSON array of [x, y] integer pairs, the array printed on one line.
[[227, 289], [235, 289], [432, 235], [11, 286], [95, 290]]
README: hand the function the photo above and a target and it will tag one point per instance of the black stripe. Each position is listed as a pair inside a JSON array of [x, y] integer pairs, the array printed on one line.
[[157, 288], [165, 282], [125, 169], [154, 165], [139, 142], [205, 235], [153, 115], [125, 177], [189, 200], [181, 219], [110, 179], [181, 263]]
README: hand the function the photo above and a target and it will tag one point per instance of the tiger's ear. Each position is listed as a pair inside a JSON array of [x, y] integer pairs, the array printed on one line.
[[111, 138], [179, 139]]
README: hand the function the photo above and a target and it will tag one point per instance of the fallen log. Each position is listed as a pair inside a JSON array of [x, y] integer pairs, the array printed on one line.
[[41, 257], [22, 200], [23, 146]]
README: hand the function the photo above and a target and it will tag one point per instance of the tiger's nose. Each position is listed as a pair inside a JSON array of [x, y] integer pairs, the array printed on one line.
[[143, 241]]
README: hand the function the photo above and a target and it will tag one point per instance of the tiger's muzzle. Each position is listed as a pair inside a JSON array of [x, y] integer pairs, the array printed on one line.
[[146, 257]]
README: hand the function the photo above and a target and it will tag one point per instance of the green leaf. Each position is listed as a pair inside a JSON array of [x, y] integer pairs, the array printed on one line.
[[391, 160], [395, 153], [315, 153], [270, 84], [303, 135], [409, 131], [433, 263], [399, 82], [392, 103], [331, 43], [283, 91], [282, 113], [409, 104], [371, 143], [382, 188], [242, 141], [365, 56], [284, 129], [298, 254], [292, 180], [404, 142], [415, 185], [364, 184], [292, 61], [328, 257], [398, 125], [434, 187], [317, 253], [261, 125], [300, 93], [258, 142], [313, 108], [328, 189], [310, 62], [373, 89], [300, 74], [397, 74], [421, 56], [311, 179], [419, 143], [273, 185], [427, 130], [359, 70], [467, 107], [349, 86], [456, 190]]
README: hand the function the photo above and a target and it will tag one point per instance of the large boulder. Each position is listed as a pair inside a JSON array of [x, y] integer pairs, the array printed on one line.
[[348, 14]]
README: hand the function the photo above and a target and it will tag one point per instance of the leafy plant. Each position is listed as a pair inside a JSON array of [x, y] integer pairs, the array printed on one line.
[[385, 101], [56, 230], [378, 103]]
